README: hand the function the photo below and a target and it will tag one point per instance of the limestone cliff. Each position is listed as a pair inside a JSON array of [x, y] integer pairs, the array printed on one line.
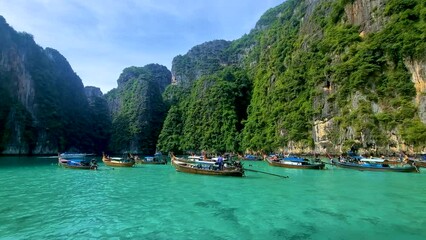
[[137, 109], [43, 107], [326, 75], [203, 59]]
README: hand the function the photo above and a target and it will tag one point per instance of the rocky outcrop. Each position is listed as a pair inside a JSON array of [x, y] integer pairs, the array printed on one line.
[[201, 60], [42, 101], [417, 69], [137, 109], [368, 14]]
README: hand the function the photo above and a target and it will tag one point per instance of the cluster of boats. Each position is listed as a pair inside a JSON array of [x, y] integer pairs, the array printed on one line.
[[221, 166], [82, 161]]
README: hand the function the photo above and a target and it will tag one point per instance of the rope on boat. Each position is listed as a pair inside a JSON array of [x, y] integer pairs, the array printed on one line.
[[272, 174], [417, 169]]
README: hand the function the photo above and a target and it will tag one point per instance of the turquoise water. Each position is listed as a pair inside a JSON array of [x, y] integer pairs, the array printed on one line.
[[39, 200]]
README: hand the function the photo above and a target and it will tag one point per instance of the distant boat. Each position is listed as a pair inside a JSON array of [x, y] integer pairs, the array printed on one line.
[[208, 168], [373, 166], [158, 158], [294, 162], [127, 161], [76, 161]]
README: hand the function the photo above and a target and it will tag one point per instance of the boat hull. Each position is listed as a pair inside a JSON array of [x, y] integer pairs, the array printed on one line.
[[66, 164], [377, 169], [117, 163], [189, 168], [317, 166], [420, 164]]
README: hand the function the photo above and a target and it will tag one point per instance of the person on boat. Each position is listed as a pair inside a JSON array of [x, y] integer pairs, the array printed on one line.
[[93, 164], [220, 162]]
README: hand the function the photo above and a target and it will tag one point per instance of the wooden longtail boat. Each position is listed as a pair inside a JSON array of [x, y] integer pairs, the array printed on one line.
[[379, 167], [295, 162], [207, 168], [118, 162], [76, 161]]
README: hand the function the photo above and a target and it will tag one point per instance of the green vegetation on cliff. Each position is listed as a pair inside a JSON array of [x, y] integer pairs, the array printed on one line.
[[209, 118], [308, 63], [137, 108]]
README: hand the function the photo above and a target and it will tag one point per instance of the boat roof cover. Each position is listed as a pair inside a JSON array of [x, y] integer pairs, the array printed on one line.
[[372, 159], [293, 159]]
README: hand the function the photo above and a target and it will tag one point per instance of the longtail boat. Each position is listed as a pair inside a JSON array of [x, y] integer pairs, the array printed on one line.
[[118, 162], [382, 160], [294, 162], [76, 161], [373, 166], [208, 168]]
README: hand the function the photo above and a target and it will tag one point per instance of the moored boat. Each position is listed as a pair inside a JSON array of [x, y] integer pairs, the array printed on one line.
[[118, 162], [208, 168], [294, 162], [382, 160], [374, 166], [76, 161]]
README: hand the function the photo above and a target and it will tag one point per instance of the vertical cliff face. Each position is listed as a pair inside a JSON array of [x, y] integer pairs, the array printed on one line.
[[368, 14], [100, 119], [137, 108], [201, 60], [325, 75], [392, 43], [417, 68], [43, 107]]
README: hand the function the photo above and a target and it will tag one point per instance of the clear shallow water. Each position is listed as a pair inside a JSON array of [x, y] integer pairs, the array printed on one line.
[[40, 200]]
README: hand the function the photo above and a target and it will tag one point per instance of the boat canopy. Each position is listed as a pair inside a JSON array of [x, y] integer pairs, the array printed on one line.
[[376, 160], [293, 159]]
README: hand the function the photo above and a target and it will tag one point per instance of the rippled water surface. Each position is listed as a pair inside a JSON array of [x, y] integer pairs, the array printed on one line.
[[40, 200]]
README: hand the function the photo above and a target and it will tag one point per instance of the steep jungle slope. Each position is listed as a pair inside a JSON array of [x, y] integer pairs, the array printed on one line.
[[137, 109], [322, 75]]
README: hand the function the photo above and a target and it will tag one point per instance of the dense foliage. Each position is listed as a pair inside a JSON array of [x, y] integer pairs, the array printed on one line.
[[137, 109], [304, 62], [305, 65], [210, 117]]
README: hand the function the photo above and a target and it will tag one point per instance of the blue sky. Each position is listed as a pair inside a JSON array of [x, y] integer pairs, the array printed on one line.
[[102, 37]]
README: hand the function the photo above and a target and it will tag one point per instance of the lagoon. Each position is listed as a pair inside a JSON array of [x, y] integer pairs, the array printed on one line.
[[40, 200]]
